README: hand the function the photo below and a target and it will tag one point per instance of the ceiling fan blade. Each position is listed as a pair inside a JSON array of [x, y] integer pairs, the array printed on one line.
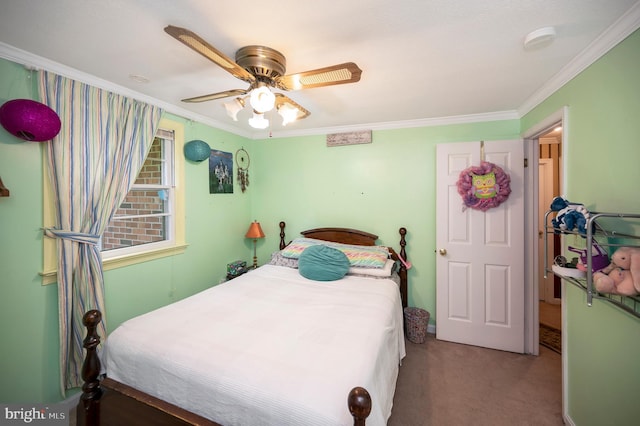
[[219, 95], [328, 76], [283, 100], [196, 43]]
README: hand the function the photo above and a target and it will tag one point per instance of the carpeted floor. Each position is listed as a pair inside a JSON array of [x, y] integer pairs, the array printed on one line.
[[449, 384]]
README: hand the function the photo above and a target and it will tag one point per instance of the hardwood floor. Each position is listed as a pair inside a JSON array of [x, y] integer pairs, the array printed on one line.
[[551, 315]]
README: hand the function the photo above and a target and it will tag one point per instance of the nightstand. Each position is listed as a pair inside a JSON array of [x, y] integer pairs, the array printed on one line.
[[231, 276], [237, 268]]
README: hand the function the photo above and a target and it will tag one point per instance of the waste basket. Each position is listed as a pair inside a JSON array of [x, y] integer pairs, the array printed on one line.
[[416, 321]]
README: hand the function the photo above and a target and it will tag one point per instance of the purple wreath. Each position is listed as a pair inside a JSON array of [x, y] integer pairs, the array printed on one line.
[[468, 191]]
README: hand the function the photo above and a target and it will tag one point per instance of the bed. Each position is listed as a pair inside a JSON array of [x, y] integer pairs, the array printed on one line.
[[270, 347]]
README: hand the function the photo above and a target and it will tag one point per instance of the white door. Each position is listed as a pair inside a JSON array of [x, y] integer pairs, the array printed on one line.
[[546, 177], [480, 255]]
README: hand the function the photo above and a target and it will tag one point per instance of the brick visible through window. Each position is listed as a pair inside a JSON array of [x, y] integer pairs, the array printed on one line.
[[143, 216]]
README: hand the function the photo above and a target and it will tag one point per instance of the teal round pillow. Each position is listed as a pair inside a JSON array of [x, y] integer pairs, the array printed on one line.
[[322, 263]]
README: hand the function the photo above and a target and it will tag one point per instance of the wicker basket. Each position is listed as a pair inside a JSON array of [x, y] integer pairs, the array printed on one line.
[[416, 321]]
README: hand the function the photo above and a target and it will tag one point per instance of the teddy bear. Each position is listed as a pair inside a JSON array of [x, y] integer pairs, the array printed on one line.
[[618, 281], [622, 276]]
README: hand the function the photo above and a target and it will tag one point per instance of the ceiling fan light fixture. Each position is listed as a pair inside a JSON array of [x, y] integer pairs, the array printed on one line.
[[262, 99], [288, 112], [264, 69], [258, 121], [234, 107]]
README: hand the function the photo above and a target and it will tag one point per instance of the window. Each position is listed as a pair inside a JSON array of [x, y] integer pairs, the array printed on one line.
[[145, 217], [150, 222]]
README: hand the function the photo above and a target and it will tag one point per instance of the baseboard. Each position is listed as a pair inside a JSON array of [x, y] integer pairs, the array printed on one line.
[[431, 329], [72, 401], [568, 420]]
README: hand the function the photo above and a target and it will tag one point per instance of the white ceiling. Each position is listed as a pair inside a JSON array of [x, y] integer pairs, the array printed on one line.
[[423, 61]]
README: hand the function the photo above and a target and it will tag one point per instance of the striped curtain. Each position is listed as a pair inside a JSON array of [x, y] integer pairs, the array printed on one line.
[[92, 164]]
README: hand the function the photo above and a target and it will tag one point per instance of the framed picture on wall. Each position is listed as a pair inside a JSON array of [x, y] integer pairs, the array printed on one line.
[[220, 172]]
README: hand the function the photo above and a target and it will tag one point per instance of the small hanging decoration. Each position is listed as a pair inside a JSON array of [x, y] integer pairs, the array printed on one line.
[[243, 161], [197, 150], [483, 187]]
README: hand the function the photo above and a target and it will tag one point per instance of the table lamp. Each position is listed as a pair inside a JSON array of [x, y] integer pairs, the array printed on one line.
[[255, 232]]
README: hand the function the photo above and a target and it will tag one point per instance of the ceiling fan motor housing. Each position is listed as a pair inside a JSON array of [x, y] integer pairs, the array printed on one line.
[[263, 62]]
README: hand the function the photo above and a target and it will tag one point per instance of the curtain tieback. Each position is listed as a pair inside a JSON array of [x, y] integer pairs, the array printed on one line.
[[77, 237]]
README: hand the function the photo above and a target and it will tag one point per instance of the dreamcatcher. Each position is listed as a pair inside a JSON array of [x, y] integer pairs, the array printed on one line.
[[243, 161]]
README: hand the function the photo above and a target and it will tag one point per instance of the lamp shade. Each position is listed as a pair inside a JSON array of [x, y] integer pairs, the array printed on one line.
[[258, 121], [234, 107], [262, 99], [197, 150], [288, 113], [255, 231], [29, 120]]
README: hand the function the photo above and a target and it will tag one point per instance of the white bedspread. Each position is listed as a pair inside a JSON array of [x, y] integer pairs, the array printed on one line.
[[268, 348]]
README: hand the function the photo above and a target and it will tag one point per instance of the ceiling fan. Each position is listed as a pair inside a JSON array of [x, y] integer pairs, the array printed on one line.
[[263, 68]]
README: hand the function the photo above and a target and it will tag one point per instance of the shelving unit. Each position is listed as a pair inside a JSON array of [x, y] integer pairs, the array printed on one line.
[[610, 231]]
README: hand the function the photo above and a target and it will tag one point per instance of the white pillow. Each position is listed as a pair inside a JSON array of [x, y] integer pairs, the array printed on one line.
[[374, 272]]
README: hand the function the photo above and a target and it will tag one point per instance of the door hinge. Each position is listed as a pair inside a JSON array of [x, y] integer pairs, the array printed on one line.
[[526, 162]]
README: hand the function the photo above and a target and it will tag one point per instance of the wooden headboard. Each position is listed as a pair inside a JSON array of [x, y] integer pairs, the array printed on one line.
[[362, 238], [342, 235]]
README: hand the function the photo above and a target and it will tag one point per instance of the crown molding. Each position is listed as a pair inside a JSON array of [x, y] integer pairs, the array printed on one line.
[[35, 62], [32, 61], [618, 31], [404, 124]]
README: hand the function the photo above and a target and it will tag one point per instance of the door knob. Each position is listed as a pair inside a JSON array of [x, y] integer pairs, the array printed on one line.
[[442, 252]]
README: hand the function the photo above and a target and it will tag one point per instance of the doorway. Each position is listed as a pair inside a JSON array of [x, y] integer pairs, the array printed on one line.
[[549, 186], [561, 146], [534, 312]]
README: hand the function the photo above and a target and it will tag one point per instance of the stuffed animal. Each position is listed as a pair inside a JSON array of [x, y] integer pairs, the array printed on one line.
[[570, 215], [618, 281], [622, 276], [629, 258]]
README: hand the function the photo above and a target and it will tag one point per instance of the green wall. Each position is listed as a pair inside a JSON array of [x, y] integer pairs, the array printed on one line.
[[215, 227], [378, 187], [603, 129]]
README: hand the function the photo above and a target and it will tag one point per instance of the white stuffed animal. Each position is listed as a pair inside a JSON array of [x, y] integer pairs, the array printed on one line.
[[622, 276]]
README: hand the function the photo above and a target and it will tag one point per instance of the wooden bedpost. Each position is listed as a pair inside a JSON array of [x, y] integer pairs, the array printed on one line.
[[403, 268], [359, 405], [88, 413], [282, 243], [403, 242]]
